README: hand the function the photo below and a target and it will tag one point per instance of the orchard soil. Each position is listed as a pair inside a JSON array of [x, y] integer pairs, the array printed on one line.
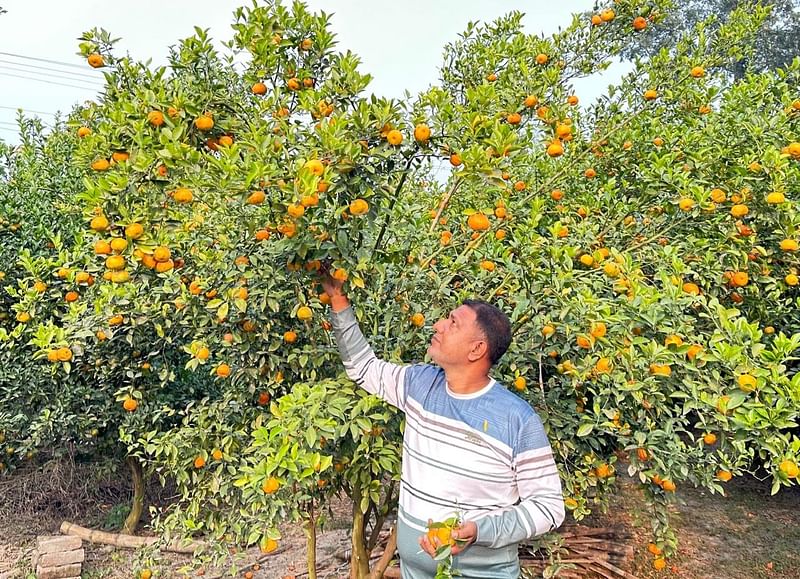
[[747, 534]]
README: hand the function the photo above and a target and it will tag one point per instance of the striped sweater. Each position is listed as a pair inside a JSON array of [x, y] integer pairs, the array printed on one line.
[[484, 455]]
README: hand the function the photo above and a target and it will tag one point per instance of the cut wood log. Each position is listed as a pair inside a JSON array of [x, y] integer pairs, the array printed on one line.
[[127, 541]]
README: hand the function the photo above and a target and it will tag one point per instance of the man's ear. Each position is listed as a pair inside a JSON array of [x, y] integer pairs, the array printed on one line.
[[479, 350]]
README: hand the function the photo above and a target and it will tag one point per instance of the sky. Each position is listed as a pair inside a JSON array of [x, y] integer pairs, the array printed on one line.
[[400, 42]]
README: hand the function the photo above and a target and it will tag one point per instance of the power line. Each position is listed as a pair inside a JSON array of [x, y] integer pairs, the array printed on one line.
[[50, 75], [76, 74], [60, 63], [27, 110], [49, 81]]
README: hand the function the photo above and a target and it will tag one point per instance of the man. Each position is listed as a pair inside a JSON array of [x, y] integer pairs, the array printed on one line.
[[470, 447]]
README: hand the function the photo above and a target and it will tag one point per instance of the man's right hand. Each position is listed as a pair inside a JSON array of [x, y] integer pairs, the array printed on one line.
[[333, 287]]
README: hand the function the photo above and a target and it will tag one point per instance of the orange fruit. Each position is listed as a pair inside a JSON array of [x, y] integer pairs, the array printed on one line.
[[259, 88], [95, 60], [746, 382], [145, 574], [697, 72], [555, 149], [531, 101], [668, 486], [542, 58], [673, 340], [788, 245], [293, 84], [84, 132], [556, 195], [204, 123], [739, 279], [519, 186], [155, 118], [724, 475], [315, 167], [183, 195], [422, 133], [487, 265], [491, 77], [199, 462], [306, 44], [710, 438], [290, 337], [583, 342], [394, 137], [520, 383], [587, 260], [478, 222], [548, 330], [660, 369], [603, 365], [776, 198], [202, 353], [134, 230], [120, 156], [598, 329], [659, 564], [455, 160], [693, 351], [256, 198], [791, 279], [654, 549], [607, 15], [359, 207], [418, 320], [686, 204], [304, 313], [650, 95], [270, 485], [639, 23], [223, 371], [161, 253], [603, 471], [789, 468], [268, 546], [514, 119], [740, 210], [590, 173], [216, 454], [99, 223], [572, 100], [130, 404]]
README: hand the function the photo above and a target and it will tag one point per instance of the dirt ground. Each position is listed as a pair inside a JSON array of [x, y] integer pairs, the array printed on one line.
[[745, 535]]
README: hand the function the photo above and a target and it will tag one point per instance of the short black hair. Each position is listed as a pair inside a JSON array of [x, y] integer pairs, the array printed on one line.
[[494, 324]]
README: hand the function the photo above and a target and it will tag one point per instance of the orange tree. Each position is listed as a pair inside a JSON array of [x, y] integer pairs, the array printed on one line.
[[645, 247]]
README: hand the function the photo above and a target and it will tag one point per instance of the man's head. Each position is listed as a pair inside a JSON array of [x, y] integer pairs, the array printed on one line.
[[474, 332]]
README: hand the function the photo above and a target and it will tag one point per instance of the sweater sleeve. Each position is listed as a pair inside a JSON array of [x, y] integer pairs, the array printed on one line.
[[384, 379], [541, 505]]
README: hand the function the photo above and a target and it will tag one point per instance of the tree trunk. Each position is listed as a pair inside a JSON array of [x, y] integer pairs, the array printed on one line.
[[359, 559], [137, 506], [388, 553], [311, 544]]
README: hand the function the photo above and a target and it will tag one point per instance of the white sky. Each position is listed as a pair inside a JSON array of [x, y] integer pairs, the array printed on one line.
[[400, 42]]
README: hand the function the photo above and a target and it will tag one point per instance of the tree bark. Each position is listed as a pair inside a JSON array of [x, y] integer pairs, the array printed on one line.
[[137, 506], [359, 559], [386, 558], [311, 544]]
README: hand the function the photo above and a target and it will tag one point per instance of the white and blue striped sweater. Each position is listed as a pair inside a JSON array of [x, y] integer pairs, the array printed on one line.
[[484, 454]]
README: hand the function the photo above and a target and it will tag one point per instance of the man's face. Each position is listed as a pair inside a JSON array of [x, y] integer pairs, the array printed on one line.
[[455, 337]]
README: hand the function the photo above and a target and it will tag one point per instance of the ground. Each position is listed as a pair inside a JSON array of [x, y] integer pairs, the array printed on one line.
[[746, 535]]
